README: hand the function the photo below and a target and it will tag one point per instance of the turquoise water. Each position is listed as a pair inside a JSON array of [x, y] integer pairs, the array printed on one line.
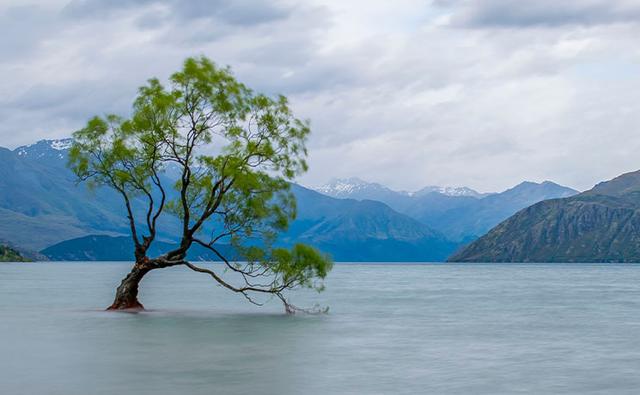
[[392, 329]]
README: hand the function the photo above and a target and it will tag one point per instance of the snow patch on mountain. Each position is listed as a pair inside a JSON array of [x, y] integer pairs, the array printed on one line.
[[349, 187], [353, 187], [60, 145], [45, 148], [343, 186], [449, 191]]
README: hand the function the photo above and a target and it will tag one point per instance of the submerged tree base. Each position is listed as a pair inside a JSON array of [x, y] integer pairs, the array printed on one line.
[[126, 298], [126, 307]]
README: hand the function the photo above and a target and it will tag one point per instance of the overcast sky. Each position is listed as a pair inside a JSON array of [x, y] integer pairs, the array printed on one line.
[[482, 93]]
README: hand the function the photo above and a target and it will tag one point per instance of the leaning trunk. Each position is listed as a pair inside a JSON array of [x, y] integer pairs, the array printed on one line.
[[127, 293]]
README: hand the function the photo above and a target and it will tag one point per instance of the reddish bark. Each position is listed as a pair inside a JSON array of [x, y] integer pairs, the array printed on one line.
[[127, 293]]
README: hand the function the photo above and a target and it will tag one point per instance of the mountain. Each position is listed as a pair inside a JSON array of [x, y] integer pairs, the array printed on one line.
[[356, 188], [120, 248], [466, 218], [460, 214], [97, 248], [349, 230], [43, 208], [42, 204], [599, 225], [365, 230], [450, 191]]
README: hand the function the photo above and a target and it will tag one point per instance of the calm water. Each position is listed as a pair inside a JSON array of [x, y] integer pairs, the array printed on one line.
[[411, 329]]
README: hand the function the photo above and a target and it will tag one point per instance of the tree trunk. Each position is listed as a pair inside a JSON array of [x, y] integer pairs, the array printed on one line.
[[127, 293]]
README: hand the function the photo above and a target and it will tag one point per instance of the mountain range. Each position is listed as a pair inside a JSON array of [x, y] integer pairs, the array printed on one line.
[[459, 213], [349, 230], [40, 203], [356, 188], [42, 208], [599, 225]]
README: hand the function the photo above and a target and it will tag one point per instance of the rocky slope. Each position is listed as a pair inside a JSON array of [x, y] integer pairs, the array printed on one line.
[[600, 225]]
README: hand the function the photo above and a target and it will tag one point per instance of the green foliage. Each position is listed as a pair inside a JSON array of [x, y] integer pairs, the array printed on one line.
[[243, 188], [302, 265], [8, 254]]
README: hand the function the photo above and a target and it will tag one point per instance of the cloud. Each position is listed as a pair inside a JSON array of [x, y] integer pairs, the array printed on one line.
[[232, 12], [452, 92], [88, 57], [543, 13], [23, 28]]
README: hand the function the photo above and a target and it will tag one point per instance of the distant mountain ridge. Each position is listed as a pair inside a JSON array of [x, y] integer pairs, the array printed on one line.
[[599, 225], [42, 207], [450, 191], [46, 148], [348, 230], [40, 203], [461, 213], [119, 248], [353, 230], [356, 188]]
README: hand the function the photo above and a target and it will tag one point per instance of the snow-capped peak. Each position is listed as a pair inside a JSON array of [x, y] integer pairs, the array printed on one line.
[[449, 191], [356, 188], [342, 186], [45, 148]]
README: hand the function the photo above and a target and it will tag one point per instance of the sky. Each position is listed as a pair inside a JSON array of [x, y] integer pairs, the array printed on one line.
[[480, 93]]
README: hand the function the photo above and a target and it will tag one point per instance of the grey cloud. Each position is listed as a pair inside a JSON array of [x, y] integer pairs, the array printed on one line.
[[404, 106], [232, 12], [56, 111], [540, 13], [77, 100], [235, 12], [100, 9], [83, 63], [22, 28]]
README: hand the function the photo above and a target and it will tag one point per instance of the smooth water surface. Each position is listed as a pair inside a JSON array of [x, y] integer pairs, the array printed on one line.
[[392, 329]]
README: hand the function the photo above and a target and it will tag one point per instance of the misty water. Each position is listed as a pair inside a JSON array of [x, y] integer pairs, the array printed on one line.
[[392, 329]]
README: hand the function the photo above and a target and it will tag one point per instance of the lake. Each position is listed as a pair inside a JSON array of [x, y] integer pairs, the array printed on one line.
[[391, 329]]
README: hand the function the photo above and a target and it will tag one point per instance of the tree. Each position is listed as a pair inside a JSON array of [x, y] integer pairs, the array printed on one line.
[[240, 194]]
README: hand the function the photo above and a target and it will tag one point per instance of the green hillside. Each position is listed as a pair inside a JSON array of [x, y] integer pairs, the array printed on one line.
[[600, 225], [8, 254]]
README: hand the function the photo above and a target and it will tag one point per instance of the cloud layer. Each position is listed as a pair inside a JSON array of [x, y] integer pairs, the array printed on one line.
[[483, 93]]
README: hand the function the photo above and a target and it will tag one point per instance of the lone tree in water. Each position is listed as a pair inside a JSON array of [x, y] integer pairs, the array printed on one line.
[[238, 198]]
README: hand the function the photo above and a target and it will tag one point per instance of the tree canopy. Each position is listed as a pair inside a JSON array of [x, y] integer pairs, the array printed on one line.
[[235, 152]]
